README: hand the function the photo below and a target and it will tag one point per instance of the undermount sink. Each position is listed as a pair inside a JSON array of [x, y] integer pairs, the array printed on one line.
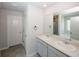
[[66, 46], [45, 37]]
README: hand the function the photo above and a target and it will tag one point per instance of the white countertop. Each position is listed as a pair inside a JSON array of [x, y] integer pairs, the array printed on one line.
[[70, 49]]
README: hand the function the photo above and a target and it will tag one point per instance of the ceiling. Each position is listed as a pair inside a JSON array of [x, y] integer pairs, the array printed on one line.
[[22, 5], [13, 5], [41, 4]]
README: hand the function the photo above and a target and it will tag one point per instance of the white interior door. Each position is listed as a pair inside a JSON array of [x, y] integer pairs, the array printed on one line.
[[14, 29]]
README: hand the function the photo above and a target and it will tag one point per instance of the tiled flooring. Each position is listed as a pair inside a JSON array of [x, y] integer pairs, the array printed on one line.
[[14, 51]]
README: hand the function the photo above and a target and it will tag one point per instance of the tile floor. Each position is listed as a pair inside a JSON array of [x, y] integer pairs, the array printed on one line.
[[14, 51]]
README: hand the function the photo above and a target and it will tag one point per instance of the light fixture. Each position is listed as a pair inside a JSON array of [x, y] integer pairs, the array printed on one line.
[[45, 5]]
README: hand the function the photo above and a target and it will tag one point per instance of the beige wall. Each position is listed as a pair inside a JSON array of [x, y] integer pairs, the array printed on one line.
[[3, 30]]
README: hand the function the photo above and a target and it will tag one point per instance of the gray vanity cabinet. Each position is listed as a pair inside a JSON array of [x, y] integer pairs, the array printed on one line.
[[46, 50], [52, 52], [42, 48]]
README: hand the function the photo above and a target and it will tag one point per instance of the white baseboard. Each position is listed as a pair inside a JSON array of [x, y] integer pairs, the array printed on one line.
[[4, 48], [8, 47], [31, 55]]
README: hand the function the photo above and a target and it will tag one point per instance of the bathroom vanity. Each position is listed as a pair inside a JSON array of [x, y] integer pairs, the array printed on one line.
[[55, 46]]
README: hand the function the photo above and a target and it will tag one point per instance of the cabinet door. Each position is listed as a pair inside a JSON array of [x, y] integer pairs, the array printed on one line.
[[52, 52], [42, 49]]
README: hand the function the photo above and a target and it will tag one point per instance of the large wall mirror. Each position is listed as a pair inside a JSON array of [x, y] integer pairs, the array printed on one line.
[[66, 23]]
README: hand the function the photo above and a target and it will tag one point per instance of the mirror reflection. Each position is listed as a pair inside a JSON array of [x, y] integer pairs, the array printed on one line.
[[66, 23]]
